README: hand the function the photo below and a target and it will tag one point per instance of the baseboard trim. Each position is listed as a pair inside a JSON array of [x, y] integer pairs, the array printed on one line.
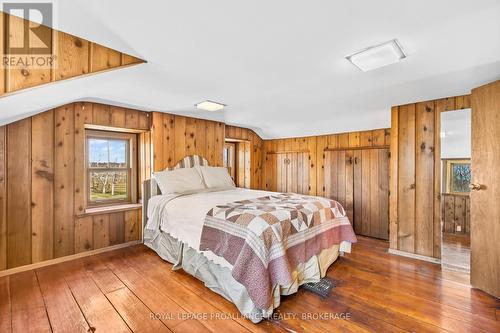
[[415, 256], [66, 258]]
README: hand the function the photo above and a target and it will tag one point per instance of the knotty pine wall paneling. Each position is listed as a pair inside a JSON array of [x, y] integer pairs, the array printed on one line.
[[316, 146], [173, 137], [415, 175], [456, 212], [73, 57], [42, 189]]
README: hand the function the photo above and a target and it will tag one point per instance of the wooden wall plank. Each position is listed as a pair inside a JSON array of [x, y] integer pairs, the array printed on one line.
[[210, 142], [341, 177], [449, 214], [168, 141], [132, 225], [104, 58], [101, 230], [180, 138], [19, 193], [118, 117], [311, 145], [439, 106], [424, 178], [83, 115], [157, 138], [116, 228], [190, 134], [101, 114], [42, 186], [3, 196], [383, 188], [64, 167], [219, 143], [131, 118], [366, 192], [72, 56], [343, 140], [394, 179], [144, 123], [2, 51], [26, 77], [357, 185], [200, 138], [378, 138], [354, 139], [321, 142], [460, 207], [406, 178], [374, 193], [84, 234], [349, 185], [366, 138]]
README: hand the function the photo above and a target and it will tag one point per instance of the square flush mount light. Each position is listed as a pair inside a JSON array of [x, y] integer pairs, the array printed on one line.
[[377, 56], [210, 106]]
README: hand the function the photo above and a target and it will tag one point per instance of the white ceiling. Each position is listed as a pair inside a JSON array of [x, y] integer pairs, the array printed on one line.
[[279, 64]]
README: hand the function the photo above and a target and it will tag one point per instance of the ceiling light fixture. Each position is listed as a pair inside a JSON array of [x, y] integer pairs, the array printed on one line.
[[210, 106], [377, 56]]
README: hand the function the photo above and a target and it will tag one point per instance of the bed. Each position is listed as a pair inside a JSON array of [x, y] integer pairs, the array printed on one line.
[[250, 246]]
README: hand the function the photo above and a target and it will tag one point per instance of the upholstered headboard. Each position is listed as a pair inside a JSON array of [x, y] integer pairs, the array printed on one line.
[[150, 187]]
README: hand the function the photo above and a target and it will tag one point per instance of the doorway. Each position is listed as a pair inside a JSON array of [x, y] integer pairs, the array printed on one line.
[[236, 159], [455, 189]]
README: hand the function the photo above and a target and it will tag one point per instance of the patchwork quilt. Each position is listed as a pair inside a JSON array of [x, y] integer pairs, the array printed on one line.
[[266, 238]]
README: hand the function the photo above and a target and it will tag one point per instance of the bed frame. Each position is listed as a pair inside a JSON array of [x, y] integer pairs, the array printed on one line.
[[150, 187]]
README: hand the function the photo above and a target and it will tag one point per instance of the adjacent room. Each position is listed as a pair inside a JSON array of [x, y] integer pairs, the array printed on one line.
[[258, 166]]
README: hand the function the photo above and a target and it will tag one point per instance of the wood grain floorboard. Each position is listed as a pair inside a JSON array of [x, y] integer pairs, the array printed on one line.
[[122, 290]]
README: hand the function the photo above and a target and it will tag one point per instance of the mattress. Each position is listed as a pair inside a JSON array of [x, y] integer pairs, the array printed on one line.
[[183, 216]]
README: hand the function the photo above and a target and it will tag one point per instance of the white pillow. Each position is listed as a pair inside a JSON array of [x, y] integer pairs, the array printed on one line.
[[216, 177], [179, 180]]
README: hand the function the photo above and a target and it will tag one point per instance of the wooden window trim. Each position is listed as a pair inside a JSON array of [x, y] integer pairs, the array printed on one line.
[[131, 168]]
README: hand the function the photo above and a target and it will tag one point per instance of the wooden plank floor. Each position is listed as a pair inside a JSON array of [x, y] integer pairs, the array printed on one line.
[[119, 291]]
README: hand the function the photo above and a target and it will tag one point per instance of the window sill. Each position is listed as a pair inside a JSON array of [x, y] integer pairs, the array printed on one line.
[[110, 209]]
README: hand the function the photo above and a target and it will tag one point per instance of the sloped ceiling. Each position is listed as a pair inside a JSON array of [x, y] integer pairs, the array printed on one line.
[[279, 65]]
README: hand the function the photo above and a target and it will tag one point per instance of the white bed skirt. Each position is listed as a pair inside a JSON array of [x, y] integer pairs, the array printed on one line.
[[220, 280]]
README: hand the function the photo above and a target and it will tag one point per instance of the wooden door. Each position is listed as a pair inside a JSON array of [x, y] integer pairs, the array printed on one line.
[[281, 172], [349, 185], [371, 192], [302, 173], [339, 182], [291, 172], [485, 194], [271, 172], [357, 188]]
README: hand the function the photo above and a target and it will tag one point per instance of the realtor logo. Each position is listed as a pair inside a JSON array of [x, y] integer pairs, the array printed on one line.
[[29, 42]]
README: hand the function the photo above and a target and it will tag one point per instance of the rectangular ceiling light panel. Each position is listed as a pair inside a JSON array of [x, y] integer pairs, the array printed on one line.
[[377, 56], [210, 106]]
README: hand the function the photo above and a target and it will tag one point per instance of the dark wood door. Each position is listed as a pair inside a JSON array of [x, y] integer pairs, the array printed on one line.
[[485, 194]]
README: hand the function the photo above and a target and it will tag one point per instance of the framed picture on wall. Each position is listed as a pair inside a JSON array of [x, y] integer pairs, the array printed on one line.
[[457, 176]]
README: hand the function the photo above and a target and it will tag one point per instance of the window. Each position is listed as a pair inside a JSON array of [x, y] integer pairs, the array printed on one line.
[[111, 168], [457, 176]]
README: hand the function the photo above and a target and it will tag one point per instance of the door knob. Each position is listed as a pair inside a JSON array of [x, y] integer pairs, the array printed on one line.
[[476, 187]]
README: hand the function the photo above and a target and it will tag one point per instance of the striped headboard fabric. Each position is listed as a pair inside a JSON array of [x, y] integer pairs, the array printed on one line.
[[189, 162]]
